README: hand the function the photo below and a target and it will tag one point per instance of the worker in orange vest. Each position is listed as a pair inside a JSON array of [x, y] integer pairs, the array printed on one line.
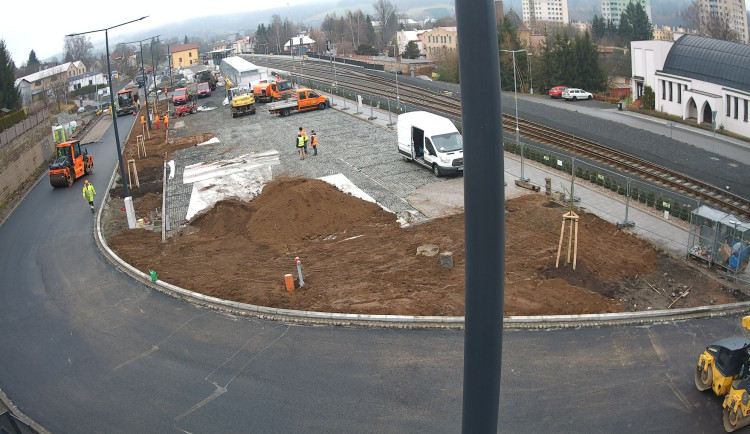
[[314, 142], [143, 121], [156, 121], [166, 122]]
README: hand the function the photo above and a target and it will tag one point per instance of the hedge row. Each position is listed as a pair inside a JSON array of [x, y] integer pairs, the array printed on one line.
[[12, 119], [643, 196]]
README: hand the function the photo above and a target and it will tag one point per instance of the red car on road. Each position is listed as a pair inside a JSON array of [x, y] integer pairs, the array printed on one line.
[[203, 90], [556, 92], [180, 96]]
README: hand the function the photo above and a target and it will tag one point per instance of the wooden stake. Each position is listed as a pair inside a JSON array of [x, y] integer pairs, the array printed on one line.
[[684, 294], [575, 247], [559, 245]]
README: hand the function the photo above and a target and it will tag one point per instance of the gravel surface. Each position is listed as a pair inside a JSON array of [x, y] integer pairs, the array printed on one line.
[[364, 152]]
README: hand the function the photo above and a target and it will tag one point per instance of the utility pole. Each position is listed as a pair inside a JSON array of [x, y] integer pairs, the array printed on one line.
[[515, 93]]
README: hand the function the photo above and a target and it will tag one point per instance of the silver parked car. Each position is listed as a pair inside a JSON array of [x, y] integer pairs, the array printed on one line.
[[574, 94]]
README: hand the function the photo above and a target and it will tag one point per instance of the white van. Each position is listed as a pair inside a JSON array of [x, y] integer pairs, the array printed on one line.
[[431, 141]]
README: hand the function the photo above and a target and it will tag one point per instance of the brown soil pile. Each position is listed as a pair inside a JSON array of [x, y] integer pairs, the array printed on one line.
[[356, 259]]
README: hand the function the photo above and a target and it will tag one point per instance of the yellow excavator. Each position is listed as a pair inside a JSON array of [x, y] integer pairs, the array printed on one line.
[[242, 98], [723, 368]]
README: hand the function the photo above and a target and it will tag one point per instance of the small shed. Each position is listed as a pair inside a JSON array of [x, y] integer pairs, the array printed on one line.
[[720, 239]]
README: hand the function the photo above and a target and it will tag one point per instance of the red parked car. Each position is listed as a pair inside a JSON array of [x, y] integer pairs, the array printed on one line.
[[556, 92], [180, 96], [203, 90]]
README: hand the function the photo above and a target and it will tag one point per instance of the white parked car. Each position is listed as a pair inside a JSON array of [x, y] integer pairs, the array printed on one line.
[[574, 94]]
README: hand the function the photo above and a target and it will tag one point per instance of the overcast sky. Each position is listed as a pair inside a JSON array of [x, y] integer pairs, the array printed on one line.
[[42, 25]]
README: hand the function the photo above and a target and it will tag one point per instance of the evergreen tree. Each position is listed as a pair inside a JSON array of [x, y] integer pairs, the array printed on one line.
[[598, 27], [507, 39], [566, 62], [186, 40], [411, 51], [9, 96], [642, 28], [33, 64], [634, 24]]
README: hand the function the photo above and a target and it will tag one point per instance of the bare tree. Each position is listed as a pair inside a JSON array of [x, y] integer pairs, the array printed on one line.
[[78, 48], [692, 16], [385, 12], [718, 27], [357, 23], [710, 24]]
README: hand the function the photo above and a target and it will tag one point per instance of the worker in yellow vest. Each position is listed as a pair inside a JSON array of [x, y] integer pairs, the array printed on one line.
[[301, 146], [89, 193]]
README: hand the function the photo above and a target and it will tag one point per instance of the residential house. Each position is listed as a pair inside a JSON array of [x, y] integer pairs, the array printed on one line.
[[403, 37], [687, 83], [87, 79], [299, 44], [184, 55], [48, 79], [438, 41]]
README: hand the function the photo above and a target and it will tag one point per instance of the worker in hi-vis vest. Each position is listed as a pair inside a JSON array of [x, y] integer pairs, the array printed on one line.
[[301, 146], [89, 193]]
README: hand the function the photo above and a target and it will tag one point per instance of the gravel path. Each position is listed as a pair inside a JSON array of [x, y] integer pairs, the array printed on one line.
[[362, 151]]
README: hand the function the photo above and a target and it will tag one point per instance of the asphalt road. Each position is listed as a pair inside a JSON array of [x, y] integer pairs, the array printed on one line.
[[85, 349]]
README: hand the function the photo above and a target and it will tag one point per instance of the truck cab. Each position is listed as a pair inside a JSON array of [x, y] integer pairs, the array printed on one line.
[[180, 96], [431, 141], [125, 102]]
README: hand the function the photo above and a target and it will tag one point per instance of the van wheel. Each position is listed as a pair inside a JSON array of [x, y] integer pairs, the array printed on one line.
[[436, 170], [322, 106], [285, 112]]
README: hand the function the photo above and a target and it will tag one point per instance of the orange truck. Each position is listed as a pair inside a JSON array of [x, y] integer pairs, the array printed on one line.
[[69, 164], [301, 100], [272, 91]]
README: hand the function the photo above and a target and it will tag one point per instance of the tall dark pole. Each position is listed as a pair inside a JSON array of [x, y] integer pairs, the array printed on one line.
[[130, 213], [145, 85], [114, 118], [484, 209]]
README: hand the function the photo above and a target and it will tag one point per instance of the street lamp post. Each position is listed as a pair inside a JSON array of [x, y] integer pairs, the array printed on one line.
[[395, 70], [531, 79], [129, 211], [515, 92], [143, 74]]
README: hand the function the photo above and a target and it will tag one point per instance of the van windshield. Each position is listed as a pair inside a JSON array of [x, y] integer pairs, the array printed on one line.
[[448, 142]]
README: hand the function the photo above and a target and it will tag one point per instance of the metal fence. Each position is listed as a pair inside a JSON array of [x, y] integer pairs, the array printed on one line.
[[16, 130]]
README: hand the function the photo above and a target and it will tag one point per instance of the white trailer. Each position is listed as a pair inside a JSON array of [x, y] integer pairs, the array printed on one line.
[[241, 72], [431, 141]]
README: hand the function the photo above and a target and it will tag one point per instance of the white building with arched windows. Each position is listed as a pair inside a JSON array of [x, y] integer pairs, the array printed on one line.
[[693, 77]]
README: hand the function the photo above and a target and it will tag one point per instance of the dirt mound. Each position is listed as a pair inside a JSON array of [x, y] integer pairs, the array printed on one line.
[[147, 204], [356, 259]]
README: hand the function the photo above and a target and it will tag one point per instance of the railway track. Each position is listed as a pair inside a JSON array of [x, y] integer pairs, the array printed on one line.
[[450, 105]]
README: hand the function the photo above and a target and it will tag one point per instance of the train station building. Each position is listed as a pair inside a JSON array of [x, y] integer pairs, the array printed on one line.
[[696, 78]]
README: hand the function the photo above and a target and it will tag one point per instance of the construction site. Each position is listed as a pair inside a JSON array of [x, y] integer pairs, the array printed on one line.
[[368, 228]]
